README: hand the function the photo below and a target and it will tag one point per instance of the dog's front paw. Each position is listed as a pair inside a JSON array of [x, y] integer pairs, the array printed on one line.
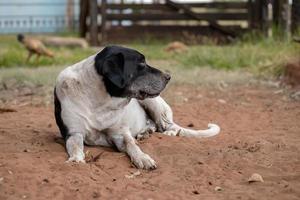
[[77, 159], [144, 161]]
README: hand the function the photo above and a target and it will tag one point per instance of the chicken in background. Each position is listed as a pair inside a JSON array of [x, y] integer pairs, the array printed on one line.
[[34, 46], [176, 47]]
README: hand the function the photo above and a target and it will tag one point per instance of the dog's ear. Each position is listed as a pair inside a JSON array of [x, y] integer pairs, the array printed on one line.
[[113, 69]]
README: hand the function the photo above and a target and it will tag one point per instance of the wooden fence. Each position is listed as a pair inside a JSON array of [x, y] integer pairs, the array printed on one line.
[[106, 22]]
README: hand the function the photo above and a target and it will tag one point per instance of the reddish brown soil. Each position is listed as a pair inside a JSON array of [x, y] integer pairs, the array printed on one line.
[[260, 134]]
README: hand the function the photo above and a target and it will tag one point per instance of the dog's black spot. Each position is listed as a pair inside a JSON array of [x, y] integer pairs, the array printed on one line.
[[57, 111], [126, 74]]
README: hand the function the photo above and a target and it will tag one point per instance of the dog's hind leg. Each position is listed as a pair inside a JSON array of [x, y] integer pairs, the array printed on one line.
[[126, 143], [161, 113], [74, 145]]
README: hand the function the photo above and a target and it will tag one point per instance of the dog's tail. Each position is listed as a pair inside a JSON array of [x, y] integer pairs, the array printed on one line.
[[213, 129]]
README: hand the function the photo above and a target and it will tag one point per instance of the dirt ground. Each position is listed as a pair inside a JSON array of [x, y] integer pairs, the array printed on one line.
[[260, 134]]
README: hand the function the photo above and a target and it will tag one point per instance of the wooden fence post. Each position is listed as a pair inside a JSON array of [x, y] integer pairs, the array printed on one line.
[[250, 14], [257, 13], [276, 13], [295, 16], [285, 18], [84, 6], [93, 8], [103, 22], [288, 19], [269, 19], [70, 15]]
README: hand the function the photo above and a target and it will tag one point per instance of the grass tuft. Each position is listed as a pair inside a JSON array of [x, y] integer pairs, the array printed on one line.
[[252, 53]]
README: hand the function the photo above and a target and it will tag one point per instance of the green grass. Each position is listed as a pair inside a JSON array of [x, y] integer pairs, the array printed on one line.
[[38, 76], [255, 55], [13, 54], [261, 56], [199, 76]]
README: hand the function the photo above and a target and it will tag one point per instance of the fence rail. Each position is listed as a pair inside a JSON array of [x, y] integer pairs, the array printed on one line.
[[217, 5], [107, 21], [224, 17], [177, 16]]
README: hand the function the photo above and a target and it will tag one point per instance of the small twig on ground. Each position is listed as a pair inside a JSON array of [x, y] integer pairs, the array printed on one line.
[[94, 159], [4, 110]]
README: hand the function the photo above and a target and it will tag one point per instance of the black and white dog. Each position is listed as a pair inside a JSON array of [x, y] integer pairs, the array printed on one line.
[[111, 98]]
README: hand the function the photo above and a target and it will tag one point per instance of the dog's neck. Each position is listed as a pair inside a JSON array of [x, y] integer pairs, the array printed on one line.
[[96, 88]]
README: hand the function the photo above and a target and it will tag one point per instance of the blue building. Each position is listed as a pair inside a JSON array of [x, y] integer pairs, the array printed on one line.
[[38, 16], [46, 16]]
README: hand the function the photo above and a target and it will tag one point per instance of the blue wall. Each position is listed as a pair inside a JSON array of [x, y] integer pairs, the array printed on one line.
[[36, 16]]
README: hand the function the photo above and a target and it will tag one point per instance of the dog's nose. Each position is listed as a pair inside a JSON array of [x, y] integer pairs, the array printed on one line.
[[167, 76]]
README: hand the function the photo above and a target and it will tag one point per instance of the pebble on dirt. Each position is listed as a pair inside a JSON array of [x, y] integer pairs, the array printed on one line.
[[133, 175], [222, 101], [190, 125], [45, 180], [195, 192], [218, 189], [255, 178]]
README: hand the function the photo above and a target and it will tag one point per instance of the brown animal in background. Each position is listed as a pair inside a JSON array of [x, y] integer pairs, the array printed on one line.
[[177, 47], [34, 46]]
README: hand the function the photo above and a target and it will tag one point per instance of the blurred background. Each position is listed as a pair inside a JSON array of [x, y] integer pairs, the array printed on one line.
[[46, 16], [190, 38]]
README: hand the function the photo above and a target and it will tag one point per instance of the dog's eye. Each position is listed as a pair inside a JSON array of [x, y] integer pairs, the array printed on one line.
[[141, 66]]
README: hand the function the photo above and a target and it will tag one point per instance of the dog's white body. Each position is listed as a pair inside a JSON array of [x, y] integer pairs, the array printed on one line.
[[95, 118]]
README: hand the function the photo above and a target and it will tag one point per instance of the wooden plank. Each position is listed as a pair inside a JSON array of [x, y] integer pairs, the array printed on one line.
[[93, 24], [170, 32], [103, 21], [155, 6], [187, 10], [257, 14], [295, 16], [250, 14], [287, 19], [220, 5], [136, 6], [182, 28], [276, 11], [120, 11], [177, 16], [84, 6]]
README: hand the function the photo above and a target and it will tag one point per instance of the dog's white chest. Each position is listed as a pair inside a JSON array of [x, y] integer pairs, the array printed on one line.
[[132, 116], [135, 117], [109, 114]]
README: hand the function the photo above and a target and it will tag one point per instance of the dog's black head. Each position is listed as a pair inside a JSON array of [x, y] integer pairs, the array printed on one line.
[[126, 74]]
